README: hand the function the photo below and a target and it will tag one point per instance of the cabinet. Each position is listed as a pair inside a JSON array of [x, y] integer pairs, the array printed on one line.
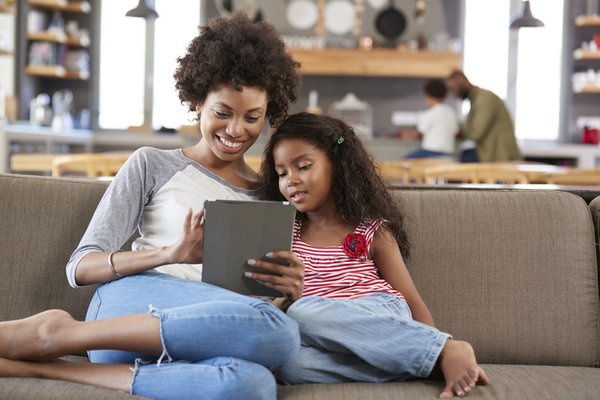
[[55, 43]]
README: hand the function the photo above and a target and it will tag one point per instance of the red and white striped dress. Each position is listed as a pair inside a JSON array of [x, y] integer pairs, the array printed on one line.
[[330, 272]]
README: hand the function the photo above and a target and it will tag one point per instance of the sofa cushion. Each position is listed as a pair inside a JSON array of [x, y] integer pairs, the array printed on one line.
[[595, 209], [516, 382], [43, 220], [513, 272], [29, 388]]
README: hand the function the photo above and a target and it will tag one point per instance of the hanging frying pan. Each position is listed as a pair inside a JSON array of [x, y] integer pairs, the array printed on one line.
[[391, 22]]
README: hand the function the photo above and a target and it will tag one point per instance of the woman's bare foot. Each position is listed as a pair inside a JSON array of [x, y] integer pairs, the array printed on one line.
[[460, 369], [35, 338]]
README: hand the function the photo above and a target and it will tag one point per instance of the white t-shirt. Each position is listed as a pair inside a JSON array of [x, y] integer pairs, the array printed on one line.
[[152, 194], [439, 126]]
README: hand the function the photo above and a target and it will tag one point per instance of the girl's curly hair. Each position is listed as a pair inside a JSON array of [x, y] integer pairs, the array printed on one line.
[[236, 51], [359, 189]]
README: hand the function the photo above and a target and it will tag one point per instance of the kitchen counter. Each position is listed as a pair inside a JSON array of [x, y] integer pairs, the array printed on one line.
[[584, 155], [45, 140]]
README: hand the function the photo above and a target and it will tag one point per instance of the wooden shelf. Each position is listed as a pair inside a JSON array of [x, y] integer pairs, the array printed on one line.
[[588, 20], [48, 36], [6, 52], [581, 54], [59, 37], [63, 5], [56, 71], [377, 62], [7, 10], [589, 89]]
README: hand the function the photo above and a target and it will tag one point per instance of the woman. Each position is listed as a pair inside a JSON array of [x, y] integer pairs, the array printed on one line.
[[156, 330]]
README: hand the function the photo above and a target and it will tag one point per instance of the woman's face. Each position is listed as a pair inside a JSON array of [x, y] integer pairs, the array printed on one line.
[[231, 120]]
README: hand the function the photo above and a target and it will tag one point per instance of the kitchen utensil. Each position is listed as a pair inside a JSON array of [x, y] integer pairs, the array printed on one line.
[[376, 4], [302, 14], [358, 13], [339, 16], [249, 7], [420, 6], [390, 23]]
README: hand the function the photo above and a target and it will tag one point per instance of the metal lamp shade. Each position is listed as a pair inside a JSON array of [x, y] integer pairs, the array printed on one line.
[[142, 10], [526, 20]]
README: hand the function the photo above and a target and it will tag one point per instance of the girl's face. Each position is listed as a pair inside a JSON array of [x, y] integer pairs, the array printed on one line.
[[305, 175], [231, 120]]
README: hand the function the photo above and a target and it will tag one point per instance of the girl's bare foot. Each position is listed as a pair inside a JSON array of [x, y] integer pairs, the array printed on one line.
[[460, 369], [35, 338]]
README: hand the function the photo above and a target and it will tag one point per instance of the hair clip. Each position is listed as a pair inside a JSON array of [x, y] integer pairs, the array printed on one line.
[[340, 140]]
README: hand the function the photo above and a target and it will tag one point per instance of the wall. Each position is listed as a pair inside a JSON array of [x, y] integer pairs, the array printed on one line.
[[384, 94]]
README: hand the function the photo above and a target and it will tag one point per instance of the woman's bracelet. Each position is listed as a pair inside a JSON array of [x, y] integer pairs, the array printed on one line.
[[110, 263]]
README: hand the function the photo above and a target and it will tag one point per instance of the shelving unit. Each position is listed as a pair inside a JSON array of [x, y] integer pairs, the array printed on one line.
[[582, 70], [59, 37], [63, 5], [589, 89], [56, 71], [376, 62], [587, 20], [588, 24], [52, 64], [581, 54]]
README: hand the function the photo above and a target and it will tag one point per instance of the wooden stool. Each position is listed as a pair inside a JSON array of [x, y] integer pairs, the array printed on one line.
[[574, 176], [488, 173], [32, 162], [92, 165]]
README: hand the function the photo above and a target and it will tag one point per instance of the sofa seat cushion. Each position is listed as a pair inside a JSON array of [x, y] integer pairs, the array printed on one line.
[[45, 389], [517, 382]]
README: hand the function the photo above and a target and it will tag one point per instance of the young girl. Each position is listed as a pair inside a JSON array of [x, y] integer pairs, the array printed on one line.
[[361, 317]]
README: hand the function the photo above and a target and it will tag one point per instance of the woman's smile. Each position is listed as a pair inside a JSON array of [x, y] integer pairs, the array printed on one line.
[[230, 146]]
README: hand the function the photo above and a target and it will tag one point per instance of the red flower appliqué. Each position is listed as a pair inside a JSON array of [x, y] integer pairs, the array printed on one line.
[[355, 245]]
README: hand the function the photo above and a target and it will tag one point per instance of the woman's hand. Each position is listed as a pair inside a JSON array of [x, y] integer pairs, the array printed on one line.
[[287, 279], [188, 250]]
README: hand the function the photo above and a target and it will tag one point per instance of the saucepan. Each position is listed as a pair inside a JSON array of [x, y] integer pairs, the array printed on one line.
[[390, 23]]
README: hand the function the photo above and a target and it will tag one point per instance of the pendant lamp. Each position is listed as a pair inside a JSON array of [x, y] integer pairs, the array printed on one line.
[[143, 10], [526, 19]]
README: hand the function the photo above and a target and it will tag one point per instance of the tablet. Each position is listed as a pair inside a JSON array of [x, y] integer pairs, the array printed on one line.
[[238, 230]]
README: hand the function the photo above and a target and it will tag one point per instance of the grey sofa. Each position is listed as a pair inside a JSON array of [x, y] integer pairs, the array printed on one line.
[[513, 272]]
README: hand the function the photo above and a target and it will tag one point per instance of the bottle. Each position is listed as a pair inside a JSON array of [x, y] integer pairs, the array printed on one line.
[[313, 99]]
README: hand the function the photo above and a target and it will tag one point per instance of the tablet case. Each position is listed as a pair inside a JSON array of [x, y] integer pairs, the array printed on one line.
[[238, 230]]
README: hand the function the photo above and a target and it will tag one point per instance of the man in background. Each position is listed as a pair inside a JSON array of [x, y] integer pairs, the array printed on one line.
[[488, 123]]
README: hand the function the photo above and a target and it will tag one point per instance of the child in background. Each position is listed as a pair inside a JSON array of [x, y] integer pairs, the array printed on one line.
[[361, 317], [437, 126]]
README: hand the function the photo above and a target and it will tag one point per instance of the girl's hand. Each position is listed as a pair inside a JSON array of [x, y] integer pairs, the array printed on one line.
[[188, 250], [288, 279]]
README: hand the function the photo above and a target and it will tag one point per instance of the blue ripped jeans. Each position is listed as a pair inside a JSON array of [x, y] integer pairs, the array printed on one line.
[[217, 344], [370, 339]]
